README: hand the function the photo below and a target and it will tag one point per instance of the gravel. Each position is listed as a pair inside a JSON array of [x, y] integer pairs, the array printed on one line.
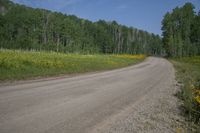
[[157, 112]]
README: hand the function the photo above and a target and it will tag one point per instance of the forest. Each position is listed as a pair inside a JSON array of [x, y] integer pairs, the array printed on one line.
[[181, 32], [26, 28]]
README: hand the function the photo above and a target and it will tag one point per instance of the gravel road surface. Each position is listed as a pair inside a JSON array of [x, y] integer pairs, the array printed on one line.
[[138, 98]]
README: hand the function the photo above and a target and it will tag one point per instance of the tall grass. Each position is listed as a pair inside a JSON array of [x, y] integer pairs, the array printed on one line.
[[188, 74], [25, 64]]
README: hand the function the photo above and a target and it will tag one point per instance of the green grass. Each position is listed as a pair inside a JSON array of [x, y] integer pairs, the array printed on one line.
[[188, 74], [16, 65]]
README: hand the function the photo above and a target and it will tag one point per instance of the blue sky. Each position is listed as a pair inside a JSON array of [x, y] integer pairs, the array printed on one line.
[[142, 14]]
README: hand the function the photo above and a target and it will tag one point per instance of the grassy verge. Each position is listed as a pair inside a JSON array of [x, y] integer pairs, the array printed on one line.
[[188, 74], [15, 65]]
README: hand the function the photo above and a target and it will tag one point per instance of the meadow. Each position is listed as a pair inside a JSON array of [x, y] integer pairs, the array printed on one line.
[[188, 75], [17, 64]]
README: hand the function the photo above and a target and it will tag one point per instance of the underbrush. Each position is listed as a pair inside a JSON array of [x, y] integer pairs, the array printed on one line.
[[188, 74]]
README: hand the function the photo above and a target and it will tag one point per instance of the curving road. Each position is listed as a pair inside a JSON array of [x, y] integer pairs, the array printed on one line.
[[79, 104]]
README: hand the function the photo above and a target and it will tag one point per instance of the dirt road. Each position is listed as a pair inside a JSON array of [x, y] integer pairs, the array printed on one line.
[[86, 103]]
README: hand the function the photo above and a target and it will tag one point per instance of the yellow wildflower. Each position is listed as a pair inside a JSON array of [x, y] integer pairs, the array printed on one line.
[[197, 99]]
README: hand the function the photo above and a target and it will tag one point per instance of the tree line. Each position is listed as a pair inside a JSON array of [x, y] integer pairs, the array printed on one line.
[[181, 31], [27, 28], [23, 27]]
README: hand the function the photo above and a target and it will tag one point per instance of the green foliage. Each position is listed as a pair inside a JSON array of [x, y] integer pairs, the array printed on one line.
[[23, 64], [195, 33], [188, 73], [27, 28], [181, 32]]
